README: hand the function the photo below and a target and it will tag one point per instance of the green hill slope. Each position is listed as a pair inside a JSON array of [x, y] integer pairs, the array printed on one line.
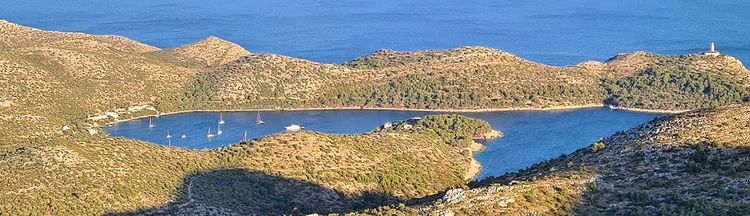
[[472, 78]]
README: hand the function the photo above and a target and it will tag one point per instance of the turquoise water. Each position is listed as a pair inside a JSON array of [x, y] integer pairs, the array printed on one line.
[[530, 137], [548, 31]]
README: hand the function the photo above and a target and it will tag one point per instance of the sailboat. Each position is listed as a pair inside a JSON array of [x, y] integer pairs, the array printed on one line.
[[221, 118], [257, 119], [184, 136], [169, 139], [218, 130], [209, 133], [151, 122], [244, 138]]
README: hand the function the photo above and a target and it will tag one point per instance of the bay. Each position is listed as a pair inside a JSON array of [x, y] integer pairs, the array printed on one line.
[[529, 136]]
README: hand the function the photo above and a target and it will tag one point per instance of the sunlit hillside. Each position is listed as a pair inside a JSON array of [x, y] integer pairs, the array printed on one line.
[[59, 88]]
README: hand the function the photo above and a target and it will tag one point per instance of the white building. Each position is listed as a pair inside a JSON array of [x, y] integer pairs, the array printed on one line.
[[712, 50]]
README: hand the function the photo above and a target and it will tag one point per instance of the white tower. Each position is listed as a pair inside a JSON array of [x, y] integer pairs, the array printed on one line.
[[712, 50]]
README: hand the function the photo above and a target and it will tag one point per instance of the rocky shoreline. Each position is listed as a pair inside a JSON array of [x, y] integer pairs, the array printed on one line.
[[475, 167]]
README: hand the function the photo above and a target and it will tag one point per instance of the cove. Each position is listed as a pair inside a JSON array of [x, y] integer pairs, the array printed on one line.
[[529, 136]]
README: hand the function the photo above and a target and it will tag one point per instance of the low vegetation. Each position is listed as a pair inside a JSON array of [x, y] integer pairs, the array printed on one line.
[[691, 163], [677, 89], [471, 78], [82, 174]]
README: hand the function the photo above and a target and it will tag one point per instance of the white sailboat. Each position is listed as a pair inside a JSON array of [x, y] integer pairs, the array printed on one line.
[[184, 136], [218, 130], [209, 135], [257, 119], [221, 118], [169, 139], [151, 122], [244, 138]]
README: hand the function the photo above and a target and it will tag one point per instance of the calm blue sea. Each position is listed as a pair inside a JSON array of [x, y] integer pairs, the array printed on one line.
[[334, 31], [530, 137]]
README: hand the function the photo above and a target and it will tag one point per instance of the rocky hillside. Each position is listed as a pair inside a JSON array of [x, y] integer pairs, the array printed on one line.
[[20, 37], [474, 78], [696, 163], [55, 79], [76, 174], [680, 82], [212, 51], [58, 87], [51, 79], [463, 78], [266, 79]]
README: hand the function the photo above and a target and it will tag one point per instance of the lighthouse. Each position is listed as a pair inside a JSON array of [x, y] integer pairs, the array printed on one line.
[[712, 50]]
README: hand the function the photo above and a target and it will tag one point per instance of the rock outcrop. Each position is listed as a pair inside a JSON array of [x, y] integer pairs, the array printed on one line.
[[212, 51]]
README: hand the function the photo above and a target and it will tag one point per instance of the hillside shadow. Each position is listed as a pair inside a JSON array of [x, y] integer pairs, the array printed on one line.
[[246, 192]]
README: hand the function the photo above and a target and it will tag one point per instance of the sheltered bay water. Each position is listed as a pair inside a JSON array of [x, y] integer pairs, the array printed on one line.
[[529, 136]]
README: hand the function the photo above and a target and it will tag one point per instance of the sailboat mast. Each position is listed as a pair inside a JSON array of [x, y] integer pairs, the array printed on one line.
[[258, 121]]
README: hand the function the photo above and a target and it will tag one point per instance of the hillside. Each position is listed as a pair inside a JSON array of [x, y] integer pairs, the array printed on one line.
[[55, 79], [681, 82], [696, 163], [463, 78], [95, 175], [51, 79], [212, 51], [472, 78]]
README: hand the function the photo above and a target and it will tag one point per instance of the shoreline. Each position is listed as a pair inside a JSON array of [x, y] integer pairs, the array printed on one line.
[[475, 167], [649, 110], [511, 109]]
